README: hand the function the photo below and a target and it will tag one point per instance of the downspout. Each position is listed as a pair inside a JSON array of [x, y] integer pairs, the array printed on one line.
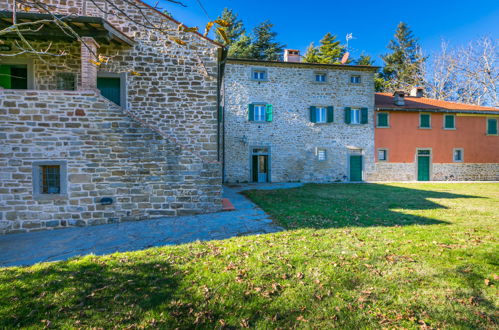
[[220, 114]]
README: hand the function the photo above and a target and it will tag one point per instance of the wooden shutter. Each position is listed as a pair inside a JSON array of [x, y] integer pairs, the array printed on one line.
[[425, 120], [313, 114], [330, 114], [363, 116], [251, 112], [268, 112], [449, 121], [492, 126], [382, 119], [348, 115]]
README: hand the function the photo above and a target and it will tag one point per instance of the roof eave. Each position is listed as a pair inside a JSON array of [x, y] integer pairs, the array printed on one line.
[[478, 112], [346, 66]]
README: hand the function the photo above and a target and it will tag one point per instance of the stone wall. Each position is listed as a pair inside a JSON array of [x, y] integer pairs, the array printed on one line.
[[291, 137], [438, 172], [108, 154]]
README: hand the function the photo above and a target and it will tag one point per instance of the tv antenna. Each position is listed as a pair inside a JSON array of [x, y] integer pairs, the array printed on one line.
[[349, 37]]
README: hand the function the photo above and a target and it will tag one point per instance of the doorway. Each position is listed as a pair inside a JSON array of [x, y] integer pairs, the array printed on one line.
[[355, 167], [424, 161], [260, 159]]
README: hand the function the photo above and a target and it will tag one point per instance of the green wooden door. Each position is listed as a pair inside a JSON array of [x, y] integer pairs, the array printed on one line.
[[110, 88], [423, 168], [355, 168]]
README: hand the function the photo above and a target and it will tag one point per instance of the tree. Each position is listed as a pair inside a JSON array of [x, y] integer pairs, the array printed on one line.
[[264, 45], [234, 29], [242, 47], [365, 60], [379, 82], [312, 54], [404, 64]]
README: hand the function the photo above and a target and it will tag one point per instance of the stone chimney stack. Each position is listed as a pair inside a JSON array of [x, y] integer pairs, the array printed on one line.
[[292, 55], [399, 97], [417, 92]]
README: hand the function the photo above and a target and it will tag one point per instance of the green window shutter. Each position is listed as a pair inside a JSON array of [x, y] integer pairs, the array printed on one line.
[[491, 126], [330, 114], [348, 115], [251, 112], [424, 120], [363, 116], [5, 77], [382, 119], [268, 112], [449, 121], [313, 114]]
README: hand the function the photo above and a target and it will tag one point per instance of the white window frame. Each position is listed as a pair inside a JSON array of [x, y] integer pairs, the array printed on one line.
[[355, 79], [454, 155], [259, 112], [262, 74], [358, 117], [385, 153], [421, 114], [321, 115], [319, 152]]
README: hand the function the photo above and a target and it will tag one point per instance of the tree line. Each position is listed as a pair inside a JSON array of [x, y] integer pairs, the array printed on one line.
[[467, 74]]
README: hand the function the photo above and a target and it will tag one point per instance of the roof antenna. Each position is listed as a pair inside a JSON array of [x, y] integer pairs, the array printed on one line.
[[344, 59]]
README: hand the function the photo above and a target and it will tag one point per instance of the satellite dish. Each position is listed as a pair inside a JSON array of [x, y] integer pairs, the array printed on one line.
[[344, 59]]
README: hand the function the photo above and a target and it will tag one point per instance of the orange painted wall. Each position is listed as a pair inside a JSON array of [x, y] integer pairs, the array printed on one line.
[[404, 136]]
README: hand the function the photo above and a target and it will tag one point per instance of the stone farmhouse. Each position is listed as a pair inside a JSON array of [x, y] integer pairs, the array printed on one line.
[[423, 139], [294, 121], [87, 143]]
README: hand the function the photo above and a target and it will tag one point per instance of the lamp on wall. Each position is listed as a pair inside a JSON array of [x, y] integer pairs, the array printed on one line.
[[244, 139]]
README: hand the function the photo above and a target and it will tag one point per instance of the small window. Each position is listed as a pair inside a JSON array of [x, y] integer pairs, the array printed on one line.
[[13, 76], [65, 81], [449, 122], [259, 112], [424, 120], [382, 119], [491, 126], [321, 154], [259, 74], [458, 155], [424, 152], [355, 79], [321, 115], [355, 116], [382, 155], [49, 179], [320, 77]]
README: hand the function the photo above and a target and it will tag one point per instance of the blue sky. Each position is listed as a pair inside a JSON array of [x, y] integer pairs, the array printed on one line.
[[372, 22]]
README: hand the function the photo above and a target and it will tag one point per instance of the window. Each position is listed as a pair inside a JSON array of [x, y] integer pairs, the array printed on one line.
[[355, 116], [321, 154], [382, 155], [65, 81], [13, 76], [382, 119], [491, 126], [320, 77], [113, 86], [449, 122], [259, 112], [49, 179], [259, 74], [321, 114], [355, 79], [424, 120], [458, 155]]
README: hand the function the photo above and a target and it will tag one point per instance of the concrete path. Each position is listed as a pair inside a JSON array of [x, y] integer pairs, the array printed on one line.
[[247, 219]]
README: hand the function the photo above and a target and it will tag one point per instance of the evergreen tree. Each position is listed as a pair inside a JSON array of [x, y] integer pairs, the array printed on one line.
[[404, 65], [264, 45], [312, 54], [330, 50], [365, 60], [235, 29], [241, 48], [379, 82]]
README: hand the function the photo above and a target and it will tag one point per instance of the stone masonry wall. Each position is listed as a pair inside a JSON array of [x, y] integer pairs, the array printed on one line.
[[108, 155], [291, 137], [438, 172]]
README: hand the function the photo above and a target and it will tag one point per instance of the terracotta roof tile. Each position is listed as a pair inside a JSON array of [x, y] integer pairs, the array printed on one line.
[[385, 101]]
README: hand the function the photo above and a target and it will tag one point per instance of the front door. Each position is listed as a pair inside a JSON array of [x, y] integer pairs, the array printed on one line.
[[423, 165], [355, 167], [260, 168]]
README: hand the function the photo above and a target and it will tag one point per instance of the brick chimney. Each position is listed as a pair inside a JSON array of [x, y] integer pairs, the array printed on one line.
[[399, 97], [417, 92], [88, 69], [292, 55]]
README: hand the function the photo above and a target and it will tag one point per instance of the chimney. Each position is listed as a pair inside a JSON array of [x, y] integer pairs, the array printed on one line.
[[417, 92], [399, 97], [291, 55]]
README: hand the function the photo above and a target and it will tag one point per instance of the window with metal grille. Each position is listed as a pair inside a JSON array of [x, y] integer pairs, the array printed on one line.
[[66, 81], [50, 179]]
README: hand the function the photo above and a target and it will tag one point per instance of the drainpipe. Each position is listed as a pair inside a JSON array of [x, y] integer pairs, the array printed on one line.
[[220, 114]]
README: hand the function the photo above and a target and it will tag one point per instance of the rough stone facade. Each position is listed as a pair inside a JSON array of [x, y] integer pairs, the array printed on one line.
[[291, 137], [155, 156]]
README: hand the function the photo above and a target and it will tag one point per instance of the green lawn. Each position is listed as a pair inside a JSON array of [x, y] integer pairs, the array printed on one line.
[[354, 256]]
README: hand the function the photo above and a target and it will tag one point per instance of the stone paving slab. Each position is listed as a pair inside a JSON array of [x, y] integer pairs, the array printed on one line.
[[53, 245]]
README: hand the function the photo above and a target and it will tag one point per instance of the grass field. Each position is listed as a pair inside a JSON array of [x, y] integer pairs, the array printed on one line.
[[354, 256]]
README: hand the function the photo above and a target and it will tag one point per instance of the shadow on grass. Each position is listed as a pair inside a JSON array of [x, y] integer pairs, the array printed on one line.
[[344, 205]]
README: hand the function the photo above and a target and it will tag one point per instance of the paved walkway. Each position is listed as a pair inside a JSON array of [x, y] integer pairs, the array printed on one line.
[[247, 219]]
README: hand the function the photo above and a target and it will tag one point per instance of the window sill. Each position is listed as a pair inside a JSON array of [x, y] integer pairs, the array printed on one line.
[[49, 197], [458, 161], [492, 134], [449, 129], [355, 84], [424, 127], [319, 82], [258, 80], [382, 126]]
